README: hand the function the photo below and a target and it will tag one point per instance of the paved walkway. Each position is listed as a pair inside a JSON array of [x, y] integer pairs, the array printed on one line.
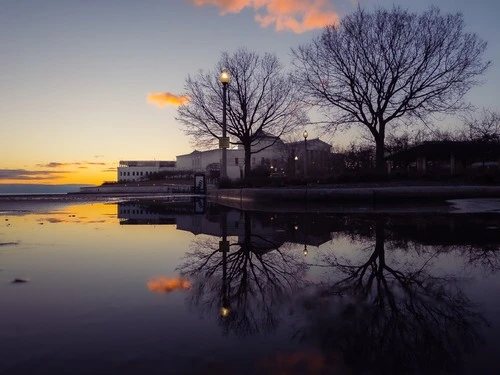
[[348, 199]]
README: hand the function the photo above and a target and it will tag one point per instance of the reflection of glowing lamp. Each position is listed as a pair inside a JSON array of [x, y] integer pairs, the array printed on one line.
[[296, 227], [225, 311], [224, 142], [305, 250]]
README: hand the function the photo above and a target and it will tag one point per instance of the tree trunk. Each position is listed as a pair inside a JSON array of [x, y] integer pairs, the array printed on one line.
[[248, 157], [380, 150], [379, 158]]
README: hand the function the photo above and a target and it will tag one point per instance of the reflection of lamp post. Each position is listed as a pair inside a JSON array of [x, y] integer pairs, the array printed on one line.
[[305, 152], [224, 141], [224, 249]]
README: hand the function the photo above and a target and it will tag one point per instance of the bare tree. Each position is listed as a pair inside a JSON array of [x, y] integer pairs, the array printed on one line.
[[389, 67], [262, 101], [483, 126]]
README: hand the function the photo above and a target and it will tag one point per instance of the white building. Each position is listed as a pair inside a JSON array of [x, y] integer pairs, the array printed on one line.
[[270, 152], [138, 170], [206, 161]]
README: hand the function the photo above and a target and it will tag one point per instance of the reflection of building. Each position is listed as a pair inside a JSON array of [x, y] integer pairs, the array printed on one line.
[[136, 170], [267, 231]]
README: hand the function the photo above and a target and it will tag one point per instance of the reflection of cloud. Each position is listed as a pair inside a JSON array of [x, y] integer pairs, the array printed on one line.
[[165, 285], [9, 243], [53, 220], [162, 99], [291, 15], [28, 175]]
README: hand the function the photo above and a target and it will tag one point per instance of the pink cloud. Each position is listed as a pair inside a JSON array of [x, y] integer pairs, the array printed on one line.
[[290, 15]]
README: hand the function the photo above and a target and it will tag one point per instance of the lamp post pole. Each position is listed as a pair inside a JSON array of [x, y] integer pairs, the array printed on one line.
[[224, 141], [305, 152]]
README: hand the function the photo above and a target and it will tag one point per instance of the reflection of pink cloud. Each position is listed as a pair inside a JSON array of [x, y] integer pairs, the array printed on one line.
[[165, 285], [290, 15], [162, 99]]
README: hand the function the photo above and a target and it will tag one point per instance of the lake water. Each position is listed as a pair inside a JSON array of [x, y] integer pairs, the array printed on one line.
[[190, 287]]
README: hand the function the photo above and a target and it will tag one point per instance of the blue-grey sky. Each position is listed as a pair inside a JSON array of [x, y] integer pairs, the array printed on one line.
[[75, 75]]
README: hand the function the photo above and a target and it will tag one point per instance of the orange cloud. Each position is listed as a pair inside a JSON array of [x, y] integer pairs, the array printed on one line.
[[162, 99], [290, 15], [165, 285]]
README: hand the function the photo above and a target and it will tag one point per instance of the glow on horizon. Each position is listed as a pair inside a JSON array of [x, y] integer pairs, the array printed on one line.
[[61, 173]]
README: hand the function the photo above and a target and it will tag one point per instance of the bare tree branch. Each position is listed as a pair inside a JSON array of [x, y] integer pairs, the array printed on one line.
[[378, 69], [262, 101]]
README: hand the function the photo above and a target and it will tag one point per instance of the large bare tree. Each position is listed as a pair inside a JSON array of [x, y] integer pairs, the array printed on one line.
[[383, 67], [262, 101]]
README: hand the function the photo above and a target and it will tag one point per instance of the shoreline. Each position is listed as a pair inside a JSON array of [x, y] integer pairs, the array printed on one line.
[[374, 194]]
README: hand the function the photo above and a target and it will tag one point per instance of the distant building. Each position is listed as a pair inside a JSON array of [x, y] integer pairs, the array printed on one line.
[[446, 157], [315, 152], [270, 153], [139, 170]]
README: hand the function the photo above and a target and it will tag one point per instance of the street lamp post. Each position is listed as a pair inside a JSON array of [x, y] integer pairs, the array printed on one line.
[[224, 141], [295, 165], [305, 134]]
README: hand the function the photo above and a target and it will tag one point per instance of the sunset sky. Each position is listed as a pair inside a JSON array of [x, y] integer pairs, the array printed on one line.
[[84, 84]]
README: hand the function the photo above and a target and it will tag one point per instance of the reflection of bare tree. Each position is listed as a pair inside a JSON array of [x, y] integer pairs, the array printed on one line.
[[485, 257], [391, 319], [248, 284]]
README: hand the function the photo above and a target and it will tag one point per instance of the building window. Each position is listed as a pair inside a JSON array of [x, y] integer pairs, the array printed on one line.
[[235, 161]]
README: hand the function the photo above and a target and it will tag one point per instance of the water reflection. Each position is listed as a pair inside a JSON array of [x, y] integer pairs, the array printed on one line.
[[393, 314], [375, 293], [247, 278]]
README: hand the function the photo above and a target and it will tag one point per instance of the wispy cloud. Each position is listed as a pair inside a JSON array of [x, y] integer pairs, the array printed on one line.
[[29, 175], [165, 285], [79, 164], [162, 99], [290, 15]]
